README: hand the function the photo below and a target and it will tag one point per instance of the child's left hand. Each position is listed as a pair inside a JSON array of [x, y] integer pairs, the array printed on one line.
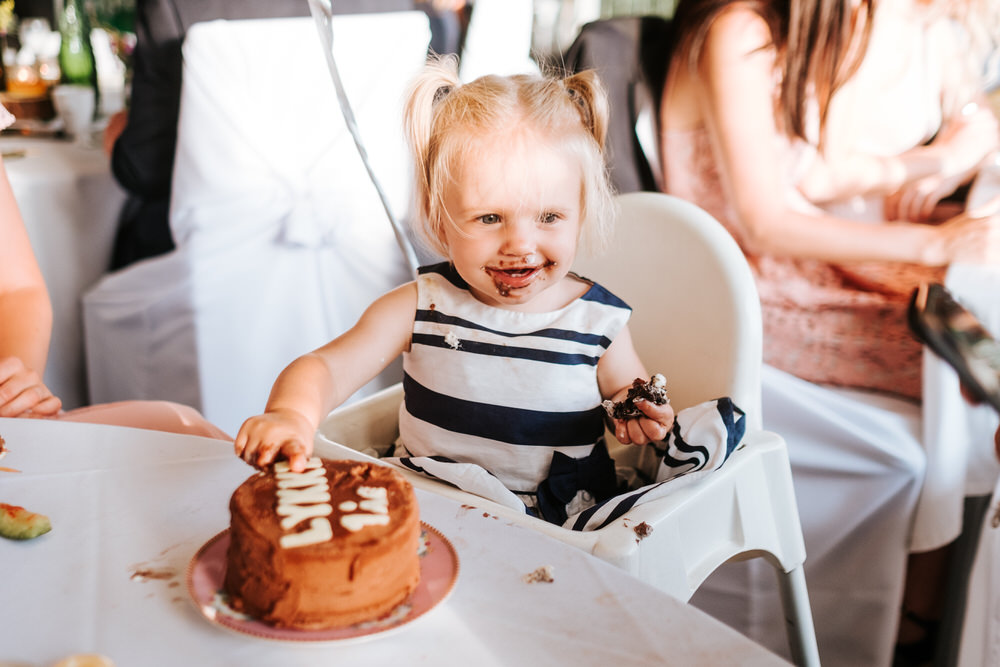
[[653, 427]]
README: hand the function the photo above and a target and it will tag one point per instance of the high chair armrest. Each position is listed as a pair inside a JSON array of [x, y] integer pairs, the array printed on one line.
[[370, 423]]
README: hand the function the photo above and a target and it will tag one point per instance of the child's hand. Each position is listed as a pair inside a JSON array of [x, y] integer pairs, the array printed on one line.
[[653, 427], [274, 435]]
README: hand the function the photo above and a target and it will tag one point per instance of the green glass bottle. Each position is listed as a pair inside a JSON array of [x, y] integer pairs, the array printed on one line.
[[76, 55]]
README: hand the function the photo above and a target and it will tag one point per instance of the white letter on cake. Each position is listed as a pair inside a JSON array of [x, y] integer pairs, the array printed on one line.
[[319, 531]]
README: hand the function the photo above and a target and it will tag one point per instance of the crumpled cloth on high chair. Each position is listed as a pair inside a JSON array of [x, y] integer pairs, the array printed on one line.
[[701, 441]]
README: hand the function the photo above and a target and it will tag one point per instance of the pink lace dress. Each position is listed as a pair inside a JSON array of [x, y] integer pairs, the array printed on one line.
[[826, 323]]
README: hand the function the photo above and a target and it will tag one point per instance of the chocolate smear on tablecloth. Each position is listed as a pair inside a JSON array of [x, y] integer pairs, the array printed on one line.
[[145, 574], [544, 574]]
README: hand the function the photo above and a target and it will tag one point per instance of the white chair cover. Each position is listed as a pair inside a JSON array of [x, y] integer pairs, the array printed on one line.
[[281, 238]]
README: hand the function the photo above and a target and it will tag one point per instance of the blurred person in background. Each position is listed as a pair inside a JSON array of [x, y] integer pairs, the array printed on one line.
[[829, 136], [25, 330]]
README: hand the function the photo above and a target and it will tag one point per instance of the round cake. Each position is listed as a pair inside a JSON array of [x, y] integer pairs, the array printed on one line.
[[331, 546]]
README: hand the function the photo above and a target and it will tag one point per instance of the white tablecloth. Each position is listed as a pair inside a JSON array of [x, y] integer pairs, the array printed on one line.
[[124, 501], [70, 203]]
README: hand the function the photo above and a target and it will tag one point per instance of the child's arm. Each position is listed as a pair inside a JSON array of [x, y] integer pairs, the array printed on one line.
[[616, 370], [317, 382]]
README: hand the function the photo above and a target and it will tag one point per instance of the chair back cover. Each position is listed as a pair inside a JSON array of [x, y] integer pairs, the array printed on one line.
[[282, 240]]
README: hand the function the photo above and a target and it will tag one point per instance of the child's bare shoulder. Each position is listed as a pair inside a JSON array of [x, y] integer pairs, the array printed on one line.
[[399, 301]]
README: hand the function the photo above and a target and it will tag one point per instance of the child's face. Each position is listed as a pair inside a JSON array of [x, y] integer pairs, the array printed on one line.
[[516, 208]]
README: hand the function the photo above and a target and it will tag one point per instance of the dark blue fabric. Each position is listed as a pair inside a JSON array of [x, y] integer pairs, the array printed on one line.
[[512, 425], [510, 351], [736, 426], [438, 317], [623, 505], [594, 474]]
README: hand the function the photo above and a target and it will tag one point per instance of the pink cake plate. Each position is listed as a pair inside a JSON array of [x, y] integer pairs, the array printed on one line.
[[438, 573]]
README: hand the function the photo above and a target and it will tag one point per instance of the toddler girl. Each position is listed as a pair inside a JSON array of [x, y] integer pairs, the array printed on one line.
[[507, 355]]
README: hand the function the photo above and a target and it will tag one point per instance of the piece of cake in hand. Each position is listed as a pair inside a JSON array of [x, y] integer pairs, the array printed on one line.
[[328, 547], [654, 391]]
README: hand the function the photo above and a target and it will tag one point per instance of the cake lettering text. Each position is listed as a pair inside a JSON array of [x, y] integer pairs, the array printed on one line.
[[302, 496], [375, 499]]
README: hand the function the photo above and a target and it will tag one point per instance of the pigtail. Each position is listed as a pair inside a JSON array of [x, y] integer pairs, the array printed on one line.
[[588, 97], [428, 91], [587, 94]]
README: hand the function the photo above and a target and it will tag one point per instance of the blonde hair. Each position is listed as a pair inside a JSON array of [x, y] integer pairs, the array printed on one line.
[[442, 115]]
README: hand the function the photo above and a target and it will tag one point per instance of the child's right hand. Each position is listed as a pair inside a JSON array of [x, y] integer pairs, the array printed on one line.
[[274, 435]]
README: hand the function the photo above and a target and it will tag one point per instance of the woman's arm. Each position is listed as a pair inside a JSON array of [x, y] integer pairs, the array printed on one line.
[[25, 310], [317, 382], [25, 317], [735, 89]]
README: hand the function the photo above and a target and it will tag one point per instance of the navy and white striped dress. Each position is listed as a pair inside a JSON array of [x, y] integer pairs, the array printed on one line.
[[504, 389]]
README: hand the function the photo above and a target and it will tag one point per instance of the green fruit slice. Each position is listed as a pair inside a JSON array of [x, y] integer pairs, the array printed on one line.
[[18, 523]]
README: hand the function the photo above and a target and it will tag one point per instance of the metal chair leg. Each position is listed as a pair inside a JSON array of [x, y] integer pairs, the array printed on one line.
[[798, 617]]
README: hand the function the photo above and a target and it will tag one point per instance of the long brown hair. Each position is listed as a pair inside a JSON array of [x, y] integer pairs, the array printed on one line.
[[813, 41]]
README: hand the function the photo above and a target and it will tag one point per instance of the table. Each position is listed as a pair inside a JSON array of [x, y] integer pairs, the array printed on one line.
[[70, 204], [125, 501]]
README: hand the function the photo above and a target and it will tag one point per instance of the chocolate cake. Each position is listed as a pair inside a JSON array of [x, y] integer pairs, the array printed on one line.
[[331, 546]]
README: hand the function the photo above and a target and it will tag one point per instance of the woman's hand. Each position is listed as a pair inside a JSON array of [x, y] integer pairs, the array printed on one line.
[[22, 392], [653, 427], [274, 435], [951, 159], [972, 237], [918, 201]]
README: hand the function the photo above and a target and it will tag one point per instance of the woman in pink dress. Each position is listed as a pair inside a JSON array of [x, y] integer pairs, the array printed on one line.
[[826, 135], [25, 329]]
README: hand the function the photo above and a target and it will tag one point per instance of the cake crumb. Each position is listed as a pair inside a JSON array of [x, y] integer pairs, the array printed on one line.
[[3, 447], [542, 574], [452, 340], [654, 391], [643, 530]]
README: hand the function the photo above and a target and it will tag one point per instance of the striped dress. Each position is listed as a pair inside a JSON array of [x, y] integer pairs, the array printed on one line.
[[506, 389]]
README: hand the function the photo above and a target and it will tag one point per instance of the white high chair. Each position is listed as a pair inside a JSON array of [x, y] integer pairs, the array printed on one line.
[[697, 320]]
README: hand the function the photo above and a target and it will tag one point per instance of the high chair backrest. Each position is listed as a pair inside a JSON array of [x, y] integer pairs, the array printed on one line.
[[696, 313]]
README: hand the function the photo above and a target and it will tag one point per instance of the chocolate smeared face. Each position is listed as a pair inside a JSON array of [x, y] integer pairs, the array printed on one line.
[[516, 212], [518, 274]]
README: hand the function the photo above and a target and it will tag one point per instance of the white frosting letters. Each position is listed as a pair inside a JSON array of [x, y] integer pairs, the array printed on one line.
[[375, 502], [319, 531], [301, 496]]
